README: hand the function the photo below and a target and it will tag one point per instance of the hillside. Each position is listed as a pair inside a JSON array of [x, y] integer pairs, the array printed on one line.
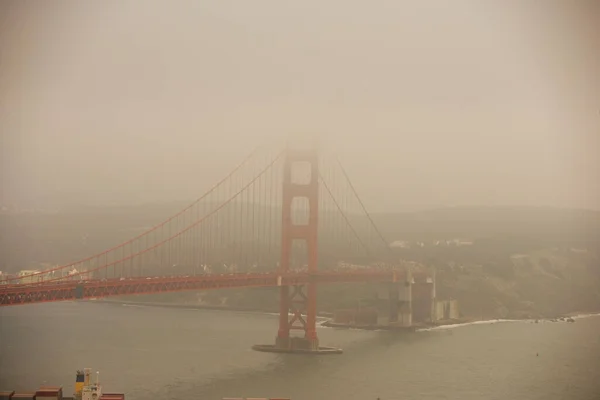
[[542, 283], [543, 224], [519, 262]]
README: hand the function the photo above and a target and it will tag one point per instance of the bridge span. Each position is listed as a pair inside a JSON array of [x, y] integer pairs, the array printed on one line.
[[99, 288], [285, 208]]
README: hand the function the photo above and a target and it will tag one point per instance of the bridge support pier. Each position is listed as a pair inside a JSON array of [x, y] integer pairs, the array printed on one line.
[[298, 305], [396, 304]]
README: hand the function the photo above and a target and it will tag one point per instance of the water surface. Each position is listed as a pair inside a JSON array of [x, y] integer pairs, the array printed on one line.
[[151, 353]]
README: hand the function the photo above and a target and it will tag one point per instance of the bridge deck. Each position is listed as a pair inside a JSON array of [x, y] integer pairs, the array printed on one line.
[[72, 290]]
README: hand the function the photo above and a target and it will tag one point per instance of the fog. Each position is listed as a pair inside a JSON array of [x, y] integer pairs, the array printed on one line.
[[427, 103]]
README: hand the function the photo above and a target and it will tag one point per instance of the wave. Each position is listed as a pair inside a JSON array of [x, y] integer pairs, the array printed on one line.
[[460, 325], [582, 316], [496, 321], [135, 306]]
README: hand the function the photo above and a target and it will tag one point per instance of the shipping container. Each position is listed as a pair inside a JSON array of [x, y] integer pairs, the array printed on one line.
[[112, 396], [57, 389], [6, 395], [49, 393], [115, 395], [24, 396]]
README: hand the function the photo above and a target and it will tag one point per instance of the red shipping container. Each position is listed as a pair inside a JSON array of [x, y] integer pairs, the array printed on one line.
[[24, 395], [115, 395], [50, 391]]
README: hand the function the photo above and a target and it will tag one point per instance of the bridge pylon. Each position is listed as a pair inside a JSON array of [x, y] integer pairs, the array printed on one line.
[[298, 304]]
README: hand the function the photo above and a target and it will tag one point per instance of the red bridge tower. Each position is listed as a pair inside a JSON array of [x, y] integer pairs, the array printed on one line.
[[298, 304]]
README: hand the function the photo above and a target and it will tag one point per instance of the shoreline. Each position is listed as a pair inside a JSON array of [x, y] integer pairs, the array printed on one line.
[[569, 317]]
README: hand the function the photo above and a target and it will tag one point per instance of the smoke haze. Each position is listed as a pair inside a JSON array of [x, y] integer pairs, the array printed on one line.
[[427, 104]]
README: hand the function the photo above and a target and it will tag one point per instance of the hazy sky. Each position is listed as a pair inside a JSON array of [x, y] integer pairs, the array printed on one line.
[[428, 103]]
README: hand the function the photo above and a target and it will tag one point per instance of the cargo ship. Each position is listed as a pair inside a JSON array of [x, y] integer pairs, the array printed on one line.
[[85, 389]]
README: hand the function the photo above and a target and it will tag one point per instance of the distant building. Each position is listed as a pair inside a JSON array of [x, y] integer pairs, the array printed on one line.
[[576, 250], [27, 276], [79, 275], [400, 244]]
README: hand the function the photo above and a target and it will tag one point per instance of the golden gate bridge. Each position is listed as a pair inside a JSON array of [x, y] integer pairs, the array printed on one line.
[[282, 218]]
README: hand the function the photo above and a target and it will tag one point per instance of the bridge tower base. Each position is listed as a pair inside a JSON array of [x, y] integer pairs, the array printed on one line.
[[298, 304]]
